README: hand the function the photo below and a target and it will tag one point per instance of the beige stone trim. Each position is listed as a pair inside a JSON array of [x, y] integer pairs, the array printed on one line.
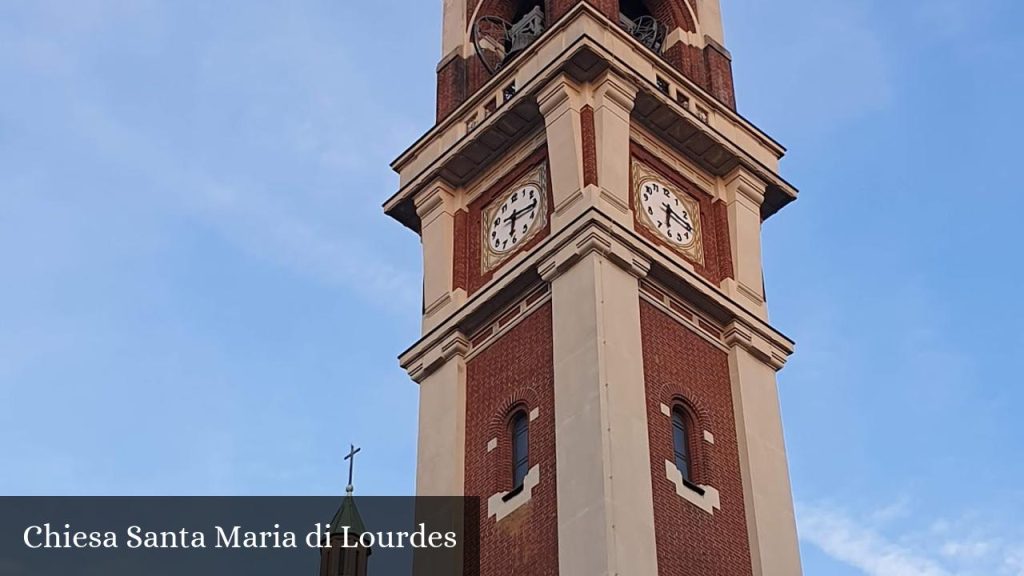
[[675, 161], [486, 180], [455, 345], [686, 322], [492, 445], [613, 99], [453, 33], [560, 102], [498, 508], [436, 209], [594, 240], [739, 334], [688, 38], [594, 232], [666, 410], [544, 60], [709, 437], [498, 331], [709, 13], [768, 498], [744, 196], [708, 502], [534, 414], [605, 499], [440, 469]]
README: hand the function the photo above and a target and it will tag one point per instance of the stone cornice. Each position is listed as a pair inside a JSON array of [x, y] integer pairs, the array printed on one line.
[[421, 365], [583, 43], [746, 184], [594, 240], [593, 232], [741, 334]]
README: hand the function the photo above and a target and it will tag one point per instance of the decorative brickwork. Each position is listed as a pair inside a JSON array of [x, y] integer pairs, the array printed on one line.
[[724, 244], [558, 8], [672, 13], [589, 146], [460, 267], [717, 265], [451, 86], [516, 371], [690, 61], [475, 277], [719, 67], [680, 365]]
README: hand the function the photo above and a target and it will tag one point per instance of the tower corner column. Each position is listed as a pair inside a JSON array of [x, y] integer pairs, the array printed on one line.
[[605, 499], [767, 493], [744, 197], [441, 374], [436, 207]]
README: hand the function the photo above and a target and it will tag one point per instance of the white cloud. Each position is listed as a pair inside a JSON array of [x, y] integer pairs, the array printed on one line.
[[861, 546], [942, 548]]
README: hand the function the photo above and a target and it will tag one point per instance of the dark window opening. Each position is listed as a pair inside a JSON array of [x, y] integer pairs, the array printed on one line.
[[520, 448], [527, 7], [633, 9], [636, 19], [681, 442]]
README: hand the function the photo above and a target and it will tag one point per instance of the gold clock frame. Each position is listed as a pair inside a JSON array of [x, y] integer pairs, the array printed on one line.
[[538, 176], [643, 174]]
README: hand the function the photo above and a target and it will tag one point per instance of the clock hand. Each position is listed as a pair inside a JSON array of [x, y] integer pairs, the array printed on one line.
[[672, 214], [518, 213]]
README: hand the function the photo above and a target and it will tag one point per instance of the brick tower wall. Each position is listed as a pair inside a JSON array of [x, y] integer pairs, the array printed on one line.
[[515, 372], [680, 365]]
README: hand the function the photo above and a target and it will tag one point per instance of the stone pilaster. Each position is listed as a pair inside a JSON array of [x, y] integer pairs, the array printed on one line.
[[767, 494], [605, 501], [436, 208], [614, 97], [560, 103], [744, 196]]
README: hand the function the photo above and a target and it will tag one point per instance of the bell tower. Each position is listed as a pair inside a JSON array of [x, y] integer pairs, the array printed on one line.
[[596, 360]]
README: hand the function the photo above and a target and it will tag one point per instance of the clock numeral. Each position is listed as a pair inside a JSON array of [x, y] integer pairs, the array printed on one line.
[[525, 228]]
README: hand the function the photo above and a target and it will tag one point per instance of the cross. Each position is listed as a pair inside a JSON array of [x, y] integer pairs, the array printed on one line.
[[351, 464]]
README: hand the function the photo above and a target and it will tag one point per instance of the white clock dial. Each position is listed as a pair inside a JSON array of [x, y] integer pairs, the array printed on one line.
[[668, 215], [514, 220]]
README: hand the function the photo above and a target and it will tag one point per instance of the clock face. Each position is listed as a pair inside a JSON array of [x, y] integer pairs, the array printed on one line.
[[667, 214], [513, 221]]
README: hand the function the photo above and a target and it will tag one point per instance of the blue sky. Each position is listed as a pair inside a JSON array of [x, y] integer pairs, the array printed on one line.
[[199, 293]]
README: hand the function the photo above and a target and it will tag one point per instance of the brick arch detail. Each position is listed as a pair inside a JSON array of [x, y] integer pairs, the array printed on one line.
[[525, 399], [676, 394], [673, 13]]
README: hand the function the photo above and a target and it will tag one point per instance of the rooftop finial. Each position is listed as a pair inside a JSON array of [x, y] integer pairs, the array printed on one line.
[[351, 464]]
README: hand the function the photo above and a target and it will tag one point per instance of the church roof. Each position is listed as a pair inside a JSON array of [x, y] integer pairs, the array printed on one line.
[[348, 515]]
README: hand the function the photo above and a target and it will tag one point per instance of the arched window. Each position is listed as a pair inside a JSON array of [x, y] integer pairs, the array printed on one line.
[[520, 448], [681, 429]]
